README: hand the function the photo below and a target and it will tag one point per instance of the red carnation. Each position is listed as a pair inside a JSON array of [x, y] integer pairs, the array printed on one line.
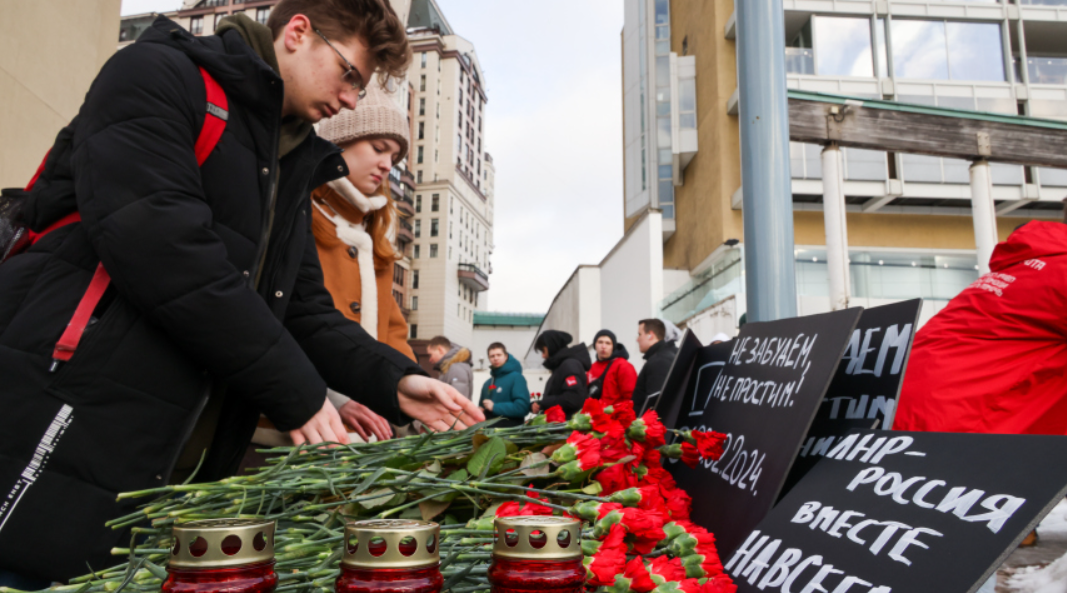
[[515, 509], [615, 478], [640, 579], [666, 569], [720, 583], [609, 560], [710, 444], [690, 455], [646, 527], [555, 414], [648, 429], [623, 412], [679, 504]]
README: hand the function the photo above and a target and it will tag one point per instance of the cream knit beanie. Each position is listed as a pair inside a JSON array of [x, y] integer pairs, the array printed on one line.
[[376, 114]]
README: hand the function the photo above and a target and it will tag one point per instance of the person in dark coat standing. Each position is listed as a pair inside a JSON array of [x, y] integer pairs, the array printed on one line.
[[611, 378], [216, 309], [567, 387], [659, 354]]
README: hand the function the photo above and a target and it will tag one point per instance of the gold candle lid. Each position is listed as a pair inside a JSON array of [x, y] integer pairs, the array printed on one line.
[[537, 538], [391, 543], [221, 543]]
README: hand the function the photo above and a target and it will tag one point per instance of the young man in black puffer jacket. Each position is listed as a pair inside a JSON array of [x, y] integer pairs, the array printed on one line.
[[567, 387], [216, 310]]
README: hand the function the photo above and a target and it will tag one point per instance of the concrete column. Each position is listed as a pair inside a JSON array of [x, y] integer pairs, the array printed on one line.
[[833, 209], [983, 213], [770, 270]]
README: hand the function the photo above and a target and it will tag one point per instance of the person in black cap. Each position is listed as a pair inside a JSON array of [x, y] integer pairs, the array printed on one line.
[[612, 377], [567, 387]]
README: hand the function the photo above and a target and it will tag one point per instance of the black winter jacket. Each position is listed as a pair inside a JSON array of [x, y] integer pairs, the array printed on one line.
[[183, 317], [567, 387], [653, 375]]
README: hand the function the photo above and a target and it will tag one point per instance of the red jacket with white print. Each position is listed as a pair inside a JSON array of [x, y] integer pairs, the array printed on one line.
[[994, 360]]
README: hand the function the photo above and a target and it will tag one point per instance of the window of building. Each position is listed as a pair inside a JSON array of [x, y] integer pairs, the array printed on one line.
[[414, 279], [460, 97], [436, 155], [434, 227], [422, 130], [262, 14], [450, 252], [418, 228], [940, 50], [398, 275], [422, 106], [423, 59], [433, 249], [842, 46], [196, 25], [418, 202], [414, 303], [418, 158], [438, 109], [414, 328], [418, 176], [435, 205], [422, 83]]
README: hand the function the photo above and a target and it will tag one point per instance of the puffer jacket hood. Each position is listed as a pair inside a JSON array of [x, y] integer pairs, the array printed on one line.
[[554, 340], [1035, 239], [578, 352], [512, 365], [620, 351], [456, 354]]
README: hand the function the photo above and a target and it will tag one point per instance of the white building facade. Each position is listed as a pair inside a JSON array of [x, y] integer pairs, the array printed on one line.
[[453, 222]]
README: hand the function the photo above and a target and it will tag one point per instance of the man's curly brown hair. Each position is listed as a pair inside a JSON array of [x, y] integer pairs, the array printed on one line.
[[372, 21]]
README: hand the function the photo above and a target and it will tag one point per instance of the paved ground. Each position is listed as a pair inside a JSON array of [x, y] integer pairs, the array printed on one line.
[[1051, 546]]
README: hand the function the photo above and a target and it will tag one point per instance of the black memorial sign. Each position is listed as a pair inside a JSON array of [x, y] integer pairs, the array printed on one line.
[[668, 401], [762, 389], [864, 391], [904, 512]]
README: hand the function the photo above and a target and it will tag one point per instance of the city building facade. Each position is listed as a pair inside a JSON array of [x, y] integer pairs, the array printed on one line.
[[909, 219], [453, 221]]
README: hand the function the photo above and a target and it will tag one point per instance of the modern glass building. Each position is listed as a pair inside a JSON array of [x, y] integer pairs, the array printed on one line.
[[910, 232]]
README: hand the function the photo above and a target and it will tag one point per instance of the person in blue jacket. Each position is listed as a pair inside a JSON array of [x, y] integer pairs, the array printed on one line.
[[505, 395]]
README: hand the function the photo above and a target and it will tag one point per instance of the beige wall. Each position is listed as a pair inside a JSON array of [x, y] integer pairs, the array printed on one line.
[[703, 215], [50, 51]]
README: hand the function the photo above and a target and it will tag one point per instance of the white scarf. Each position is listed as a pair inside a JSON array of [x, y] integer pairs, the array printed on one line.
[[356, 235]]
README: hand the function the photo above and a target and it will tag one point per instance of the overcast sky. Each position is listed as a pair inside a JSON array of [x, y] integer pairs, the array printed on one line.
[[554, 128]]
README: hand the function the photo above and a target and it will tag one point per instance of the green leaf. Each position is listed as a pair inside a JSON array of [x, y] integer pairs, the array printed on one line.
[[492, 452], [593, 488], [372, 503]]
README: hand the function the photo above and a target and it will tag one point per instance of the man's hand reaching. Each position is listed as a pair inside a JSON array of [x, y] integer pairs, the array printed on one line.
[[437, 405]]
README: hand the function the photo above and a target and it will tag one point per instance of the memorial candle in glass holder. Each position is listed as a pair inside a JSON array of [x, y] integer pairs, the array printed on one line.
[[537, 553], [213, 555], [391, 556]]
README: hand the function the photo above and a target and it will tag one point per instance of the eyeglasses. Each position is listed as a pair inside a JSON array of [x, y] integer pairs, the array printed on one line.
[[351, 76]]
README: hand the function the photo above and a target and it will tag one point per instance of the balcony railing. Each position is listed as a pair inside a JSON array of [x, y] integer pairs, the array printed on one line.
[[405, 233], [471, 276], [799, 60], [1047, 70]]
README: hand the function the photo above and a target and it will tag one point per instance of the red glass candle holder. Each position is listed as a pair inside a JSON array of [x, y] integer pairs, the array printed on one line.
[[251, 578], [222, 555], [391, 556], [537, 554]]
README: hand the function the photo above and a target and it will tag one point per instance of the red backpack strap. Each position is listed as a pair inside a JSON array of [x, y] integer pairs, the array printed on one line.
[[214, 125], [215, 120]]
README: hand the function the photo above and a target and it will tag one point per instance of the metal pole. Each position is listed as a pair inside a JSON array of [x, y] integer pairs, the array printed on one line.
[[833, 210], [983, 213], [770, 273]]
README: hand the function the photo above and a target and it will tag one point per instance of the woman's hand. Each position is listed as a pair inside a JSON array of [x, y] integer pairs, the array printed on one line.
[[365, 422], [535, 408], [437, 405], [488, 404], [324, 427]]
